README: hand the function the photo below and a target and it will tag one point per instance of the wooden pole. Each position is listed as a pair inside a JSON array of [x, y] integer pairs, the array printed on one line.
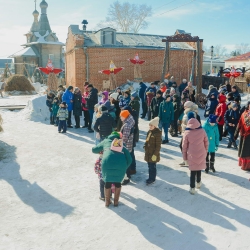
[[165, 62]]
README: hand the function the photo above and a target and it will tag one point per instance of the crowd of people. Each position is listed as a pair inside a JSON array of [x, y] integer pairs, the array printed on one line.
[[171, 109]]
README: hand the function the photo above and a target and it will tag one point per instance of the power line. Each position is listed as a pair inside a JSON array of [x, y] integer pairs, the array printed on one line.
[[165, 4]]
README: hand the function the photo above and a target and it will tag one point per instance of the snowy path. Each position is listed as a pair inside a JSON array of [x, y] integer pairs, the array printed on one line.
[[49, 197]]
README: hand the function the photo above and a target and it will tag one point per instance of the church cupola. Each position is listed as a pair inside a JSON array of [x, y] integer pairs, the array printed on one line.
[[35, 25], [44, 22], [44, 6]]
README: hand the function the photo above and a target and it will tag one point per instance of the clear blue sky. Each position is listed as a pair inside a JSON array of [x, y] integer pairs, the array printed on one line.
[[217, 22]]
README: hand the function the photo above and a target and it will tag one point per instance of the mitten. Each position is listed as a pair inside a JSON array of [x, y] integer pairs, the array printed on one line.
[[154, 158]]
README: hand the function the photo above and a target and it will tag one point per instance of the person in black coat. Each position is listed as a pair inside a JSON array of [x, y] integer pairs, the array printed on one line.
[[229, 87], [232, 117], [49, 103], [211, 105], [105, 123], [92, 100], [236, 93], [177, 109], [212, 89], [77, 106], [142, 90], [155, 104]]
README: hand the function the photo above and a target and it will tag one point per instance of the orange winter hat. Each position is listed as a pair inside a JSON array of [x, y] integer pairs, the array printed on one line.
[[125, 114]]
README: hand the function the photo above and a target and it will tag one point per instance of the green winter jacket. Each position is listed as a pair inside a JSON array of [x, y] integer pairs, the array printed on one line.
[[114, 164], [166, 112], [135, 105], [55, 108], [213, 136]]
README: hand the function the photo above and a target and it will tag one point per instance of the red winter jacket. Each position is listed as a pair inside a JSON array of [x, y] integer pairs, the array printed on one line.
[[221, 109]]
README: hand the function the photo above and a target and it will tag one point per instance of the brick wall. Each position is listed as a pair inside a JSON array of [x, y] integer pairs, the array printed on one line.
[[99, 59]]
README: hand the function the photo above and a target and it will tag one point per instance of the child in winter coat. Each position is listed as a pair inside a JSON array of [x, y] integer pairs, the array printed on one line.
[[212, 131], [220, 112], [135, 102], [105, 97], [49, 103], [62, 116], [211, 105], [194, 151], [155, 104], [152, 149], [232, 117], [55, 108]]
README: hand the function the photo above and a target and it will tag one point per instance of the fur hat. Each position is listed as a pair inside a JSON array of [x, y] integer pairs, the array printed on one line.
[[188, 104], [212, 118], [125, 114], [114, 96], [134, 94], [154, 122]]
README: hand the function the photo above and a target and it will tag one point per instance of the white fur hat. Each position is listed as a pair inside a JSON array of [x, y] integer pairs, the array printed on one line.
[[155, 122], [114, 95], [188, 104], [184, 80]]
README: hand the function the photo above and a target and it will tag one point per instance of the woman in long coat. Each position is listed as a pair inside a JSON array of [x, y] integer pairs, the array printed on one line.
[[194, 150], [243, 129], [77, 106]]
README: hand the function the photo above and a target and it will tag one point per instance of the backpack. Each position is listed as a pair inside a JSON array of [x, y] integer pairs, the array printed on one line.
[[117, 145]]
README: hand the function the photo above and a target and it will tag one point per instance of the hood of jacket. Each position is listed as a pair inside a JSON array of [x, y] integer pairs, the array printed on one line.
[[193, 124], [222, 98], [193, 108]]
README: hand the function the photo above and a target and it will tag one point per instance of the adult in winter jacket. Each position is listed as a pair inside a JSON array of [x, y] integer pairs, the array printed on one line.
[[49, 103], [236, 93], [104, 124], [92, 100], [155, 104], [232, 117], [115, 102], [85, 109], [182, 86], [194, 151], [127, 131], [77, 106], [68, 98], [166, 116], [243, 129], [142, 90], [212, 132], [177, 108], [211, 105], [152, 149], [151, 87], [220, 112], [212, 89], [114, 166], [135, 103], [172, 83]]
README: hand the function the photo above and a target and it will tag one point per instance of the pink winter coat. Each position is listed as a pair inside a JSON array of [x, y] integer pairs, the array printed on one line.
[[195, 145]]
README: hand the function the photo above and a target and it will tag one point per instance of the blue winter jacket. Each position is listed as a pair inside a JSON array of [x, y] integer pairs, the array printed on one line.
[[68, 97], [232, 116], [211, 106], [142, 90], [213, 136]]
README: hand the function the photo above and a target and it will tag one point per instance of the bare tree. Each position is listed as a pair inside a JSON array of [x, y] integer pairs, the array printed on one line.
[[219, 50], [242, 48], [127, 17]]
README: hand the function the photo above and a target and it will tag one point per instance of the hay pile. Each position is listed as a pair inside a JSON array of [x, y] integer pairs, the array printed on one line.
[[52, 82], [1, 122], [18, 83]]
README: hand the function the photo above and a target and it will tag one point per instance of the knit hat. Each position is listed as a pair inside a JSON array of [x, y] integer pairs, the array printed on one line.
[[212, 118], [104, 108], [175, 96], [191, 115], [127, 92], [152, 83], [129, 109], [125, 114], [155, 122], [118, 134], [108, 105], [64, 103], [90, 86], [159, 92], [140, 83], [134, 94], [167, 96], [122, 103], [212, 94], [188, 104], [114, 95], [70, 87]]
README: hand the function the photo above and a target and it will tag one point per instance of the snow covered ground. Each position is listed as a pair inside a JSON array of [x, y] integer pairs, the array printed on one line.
[[49, 195]]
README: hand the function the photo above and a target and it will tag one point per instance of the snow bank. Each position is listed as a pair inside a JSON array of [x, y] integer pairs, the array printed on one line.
[[36, 109]]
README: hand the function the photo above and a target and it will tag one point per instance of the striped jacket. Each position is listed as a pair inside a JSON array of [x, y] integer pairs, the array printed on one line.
[[62, 114]]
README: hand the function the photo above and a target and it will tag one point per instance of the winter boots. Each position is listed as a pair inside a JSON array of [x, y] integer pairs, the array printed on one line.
[[198, 185], [229, 145], [212, 166], [235, 145], [207, 168], [192, 191], [117, 196], [107, 196]]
